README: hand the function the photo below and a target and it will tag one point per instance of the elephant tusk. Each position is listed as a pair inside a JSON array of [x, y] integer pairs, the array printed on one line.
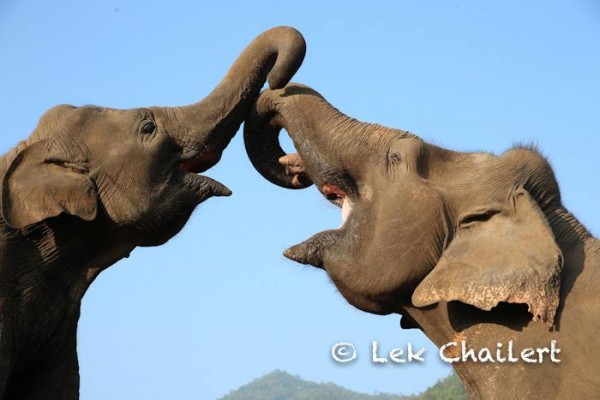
[[346, 210]]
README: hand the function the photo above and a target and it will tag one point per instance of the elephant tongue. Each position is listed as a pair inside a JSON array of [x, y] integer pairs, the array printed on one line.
[[203, 162]]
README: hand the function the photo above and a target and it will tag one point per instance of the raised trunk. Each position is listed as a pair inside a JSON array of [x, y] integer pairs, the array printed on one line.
[[275, 55], [327, 140]]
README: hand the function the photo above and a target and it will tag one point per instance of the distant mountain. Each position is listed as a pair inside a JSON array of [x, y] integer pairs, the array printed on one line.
[[280, 385], [449, 388]]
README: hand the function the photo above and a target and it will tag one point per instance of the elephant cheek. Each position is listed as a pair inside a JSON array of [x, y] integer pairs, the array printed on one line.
[[122, 210], [383, 266], [156, 214]]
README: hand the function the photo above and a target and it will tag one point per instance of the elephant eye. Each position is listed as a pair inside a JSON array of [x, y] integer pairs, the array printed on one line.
[[147, 127], [472, 219]]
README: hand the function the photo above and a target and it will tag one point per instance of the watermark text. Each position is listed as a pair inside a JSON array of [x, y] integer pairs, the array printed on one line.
[[451, 352]]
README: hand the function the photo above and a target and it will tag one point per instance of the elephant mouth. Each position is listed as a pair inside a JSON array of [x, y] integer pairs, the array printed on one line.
[[338, 197], [201, 162], [312, 250]]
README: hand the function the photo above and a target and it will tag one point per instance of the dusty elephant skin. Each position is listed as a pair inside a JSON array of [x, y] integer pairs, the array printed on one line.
[[88, 186], [465, 246]]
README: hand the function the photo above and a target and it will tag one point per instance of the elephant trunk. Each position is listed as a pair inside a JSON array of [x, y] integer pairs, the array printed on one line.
[[273, 56], [327, 140]]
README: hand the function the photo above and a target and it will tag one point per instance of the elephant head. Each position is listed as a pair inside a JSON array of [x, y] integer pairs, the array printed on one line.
[[421, 224], [138, 168]]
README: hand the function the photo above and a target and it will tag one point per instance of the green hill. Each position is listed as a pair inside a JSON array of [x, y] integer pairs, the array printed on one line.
[[280, 385], [449, 388]]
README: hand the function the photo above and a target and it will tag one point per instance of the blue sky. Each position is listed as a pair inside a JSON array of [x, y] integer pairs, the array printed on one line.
[[219, 305]]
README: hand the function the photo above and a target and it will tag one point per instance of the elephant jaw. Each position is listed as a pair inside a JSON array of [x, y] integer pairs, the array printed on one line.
[[312, 251]]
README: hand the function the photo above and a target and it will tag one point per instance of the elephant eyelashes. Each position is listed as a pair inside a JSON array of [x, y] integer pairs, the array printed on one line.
[[148, 127]]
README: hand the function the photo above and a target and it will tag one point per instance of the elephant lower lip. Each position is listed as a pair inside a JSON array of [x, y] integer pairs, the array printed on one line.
[[312, 250], [303, 255], [206, 187]]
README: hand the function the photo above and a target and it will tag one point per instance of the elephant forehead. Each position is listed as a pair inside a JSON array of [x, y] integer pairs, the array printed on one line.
[[417, 192]]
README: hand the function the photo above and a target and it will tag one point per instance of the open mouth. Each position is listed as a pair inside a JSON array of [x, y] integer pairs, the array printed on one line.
[[338, 197], [312, 250], [202, 162], [199, 163]]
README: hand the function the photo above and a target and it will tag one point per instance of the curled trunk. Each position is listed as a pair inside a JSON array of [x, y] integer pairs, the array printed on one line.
[[328, 142], [273, 56]]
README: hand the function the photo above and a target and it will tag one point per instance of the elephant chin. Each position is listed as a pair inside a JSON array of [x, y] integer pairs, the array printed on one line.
[[195, 189], [314, 250], [332, 246], [327, 245]]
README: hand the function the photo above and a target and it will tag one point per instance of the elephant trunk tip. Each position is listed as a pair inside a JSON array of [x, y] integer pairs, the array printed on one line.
[[292, 45], [273, 56], [261, 139], [295, 170]]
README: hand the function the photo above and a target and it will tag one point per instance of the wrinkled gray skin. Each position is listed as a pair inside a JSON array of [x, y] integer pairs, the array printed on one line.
[[465, 246], [88, 186]]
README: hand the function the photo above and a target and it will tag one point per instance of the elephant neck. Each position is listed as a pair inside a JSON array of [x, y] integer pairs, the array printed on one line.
[[85, 249], [570, 234], [46, 269]]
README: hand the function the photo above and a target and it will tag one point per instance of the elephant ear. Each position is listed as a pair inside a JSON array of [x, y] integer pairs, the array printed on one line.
[[40, 185], [507, 255]]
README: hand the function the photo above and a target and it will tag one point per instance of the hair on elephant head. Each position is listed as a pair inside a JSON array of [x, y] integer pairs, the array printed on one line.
[[89, 185], [426, 228]]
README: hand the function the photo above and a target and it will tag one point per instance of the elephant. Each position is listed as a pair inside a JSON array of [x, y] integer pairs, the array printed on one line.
[[474, 249], [88, 186]]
